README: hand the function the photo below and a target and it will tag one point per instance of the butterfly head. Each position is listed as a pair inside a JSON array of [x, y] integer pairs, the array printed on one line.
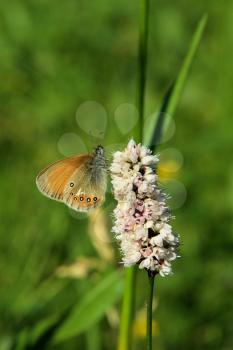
[[99, 151], [99, 159]]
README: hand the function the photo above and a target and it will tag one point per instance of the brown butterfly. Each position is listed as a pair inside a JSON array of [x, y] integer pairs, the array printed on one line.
[[80, 182]]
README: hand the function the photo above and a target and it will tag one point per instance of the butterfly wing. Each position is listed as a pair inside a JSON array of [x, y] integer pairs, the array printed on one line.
[[53, 180], [88, 191], [71, 181]]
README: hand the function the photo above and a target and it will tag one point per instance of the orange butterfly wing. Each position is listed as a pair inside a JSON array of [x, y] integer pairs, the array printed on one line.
[[69, 181]]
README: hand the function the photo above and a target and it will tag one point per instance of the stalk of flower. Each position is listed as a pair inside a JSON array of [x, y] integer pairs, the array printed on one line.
[[142, 218]]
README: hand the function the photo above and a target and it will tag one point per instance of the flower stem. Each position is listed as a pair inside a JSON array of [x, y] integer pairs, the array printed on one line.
[[142, 62], [125, 336], [151, 277], [127, 310]]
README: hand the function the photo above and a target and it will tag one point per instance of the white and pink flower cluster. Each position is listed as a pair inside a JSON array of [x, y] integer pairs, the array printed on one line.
[[141, 216]]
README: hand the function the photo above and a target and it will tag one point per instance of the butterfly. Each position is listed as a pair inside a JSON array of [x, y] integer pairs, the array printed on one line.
[[80, 182]]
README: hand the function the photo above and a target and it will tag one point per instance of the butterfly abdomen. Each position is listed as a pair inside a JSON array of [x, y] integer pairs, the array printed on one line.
[[98, 165]]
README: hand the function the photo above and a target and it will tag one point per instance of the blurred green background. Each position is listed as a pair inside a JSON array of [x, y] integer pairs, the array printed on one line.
[[54, 56]]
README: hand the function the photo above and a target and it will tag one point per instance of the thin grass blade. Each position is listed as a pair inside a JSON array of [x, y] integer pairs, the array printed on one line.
[[92, 307], [174, 93]]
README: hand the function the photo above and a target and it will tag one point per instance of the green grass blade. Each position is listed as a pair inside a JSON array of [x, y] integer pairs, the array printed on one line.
[[42, 327], [91, 308], [21, 343], [94, 338], [180, 81], [173, 95], [160, 119]]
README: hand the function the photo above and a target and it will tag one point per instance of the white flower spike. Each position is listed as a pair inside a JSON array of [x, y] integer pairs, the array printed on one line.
[[142, 217]]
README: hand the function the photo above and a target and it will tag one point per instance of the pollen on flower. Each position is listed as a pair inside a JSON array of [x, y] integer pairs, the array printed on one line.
[[141, 217]]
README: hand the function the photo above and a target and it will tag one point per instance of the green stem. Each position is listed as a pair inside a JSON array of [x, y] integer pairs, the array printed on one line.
[[125, 336], [151, 278], [142, 64], [127, 310]]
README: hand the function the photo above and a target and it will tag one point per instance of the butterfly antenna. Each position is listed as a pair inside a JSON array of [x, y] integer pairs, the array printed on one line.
[[95, 140], [91, 141], [100, 137]]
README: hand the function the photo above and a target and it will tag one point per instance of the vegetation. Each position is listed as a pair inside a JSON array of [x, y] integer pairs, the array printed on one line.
[[61, 281]]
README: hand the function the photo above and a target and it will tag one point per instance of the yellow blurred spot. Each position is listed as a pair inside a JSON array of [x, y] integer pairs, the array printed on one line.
[[79, 269], [113, 317], [99, 234], [139, 325], [171, 161], [167, 169]]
